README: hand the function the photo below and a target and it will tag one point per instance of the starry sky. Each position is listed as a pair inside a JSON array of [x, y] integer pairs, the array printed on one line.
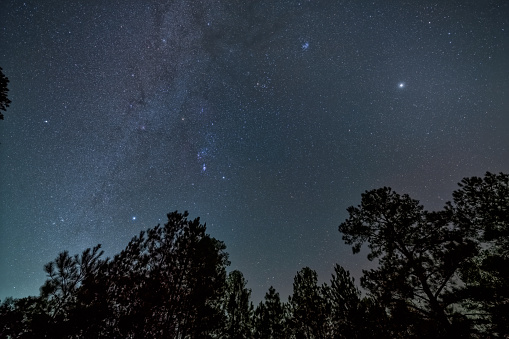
[[266, 119]]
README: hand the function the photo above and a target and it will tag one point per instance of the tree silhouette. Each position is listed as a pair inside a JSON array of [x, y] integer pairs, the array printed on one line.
[[53, 313], [168, 282], [4, 100], [237, 307], [418, 254], [27, 318], [65, 276], [481, 206], [439, 274], [342, 299], [428, 260], [307, 307], [269, 317]]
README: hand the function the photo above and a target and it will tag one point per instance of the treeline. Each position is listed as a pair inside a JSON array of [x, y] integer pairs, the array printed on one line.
[[440, 274]]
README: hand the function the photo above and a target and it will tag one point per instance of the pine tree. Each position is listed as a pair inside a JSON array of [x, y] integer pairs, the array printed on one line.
[[269, 317], [307, 306], [237, 306]]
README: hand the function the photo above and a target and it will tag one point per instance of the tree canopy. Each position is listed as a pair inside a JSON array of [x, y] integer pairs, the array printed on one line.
[[438, 274], [238, 309], [426, 259]]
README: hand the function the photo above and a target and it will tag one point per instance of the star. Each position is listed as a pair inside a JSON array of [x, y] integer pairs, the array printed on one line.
[[194, 121]]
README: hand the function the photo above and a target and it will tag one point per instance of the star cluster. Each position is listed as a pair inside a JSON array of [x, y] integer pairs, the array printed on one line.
[[266, 119]]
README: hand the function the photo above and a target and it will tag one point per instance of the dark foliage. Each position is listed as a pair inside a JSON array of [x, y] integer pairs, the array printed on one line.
[[342, 300], [4, 100], [307, 306], [238, 309], [439, 274], [432, 264], [481, 206], [168, 282], [269, 317]]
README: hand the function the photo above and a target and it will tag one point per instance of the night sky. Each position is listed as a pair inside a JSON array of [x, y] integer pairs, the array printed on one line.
[[266, 119]]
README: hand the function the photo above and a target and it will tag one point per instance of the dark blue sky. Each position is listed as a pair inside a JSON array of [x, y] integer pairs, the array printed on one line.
[[267, 119]]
